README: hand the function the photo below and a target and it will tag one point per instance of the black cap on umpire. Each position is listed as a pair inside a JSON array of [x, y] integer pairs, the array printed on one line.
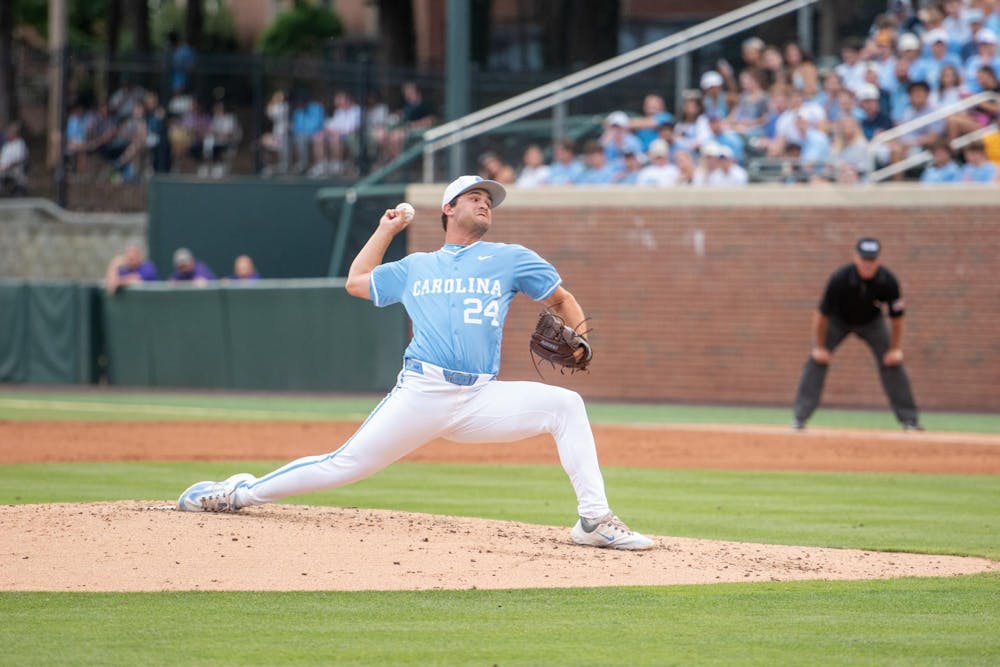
[[868, 248]]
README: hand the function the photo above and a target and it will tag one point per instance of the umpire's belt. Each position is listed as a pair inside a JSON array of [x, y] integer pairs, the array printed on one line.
[[454, 377]]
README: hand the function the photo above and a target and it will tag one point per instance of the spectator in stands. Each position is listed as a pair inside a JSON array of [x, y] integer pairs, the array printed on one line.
[[220, 141], [950, 89], [751, 51], [275, 142], [918, 139], [189, 269], [851, 68], [686, 167], [778, 104], [827, 98], [646, 127], [773, 64], [943, 168], [750, 111], [14, 162], [722, 134], [847, 105], [187, 135], [123, 101], [534, 171], [157, 145], [873, 120], [787, 126], [330, 144], [980, 115], [659, 172], [899, 97], [132, 135], [668, 134], [244, 270], [977, 167], [415, 116], [307, 120], [802, 72], [882, 58], [986, 55], [493, 167], [691, 129], [848, 146], [565, 167], [713, 94], [128, 268], [77, 133], [954, 24], [814, 143], [628, 174], [872, 77], [993, 19], [597, 170], [908, 49], [967, 48], [617, 139], [377, 120], [723, 170], [928, 67], [181, 60], [102, 133]]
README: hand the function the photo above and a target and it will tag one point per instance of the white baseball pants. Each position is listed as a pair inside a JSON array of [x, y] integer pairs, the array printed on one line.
[[423, 406]]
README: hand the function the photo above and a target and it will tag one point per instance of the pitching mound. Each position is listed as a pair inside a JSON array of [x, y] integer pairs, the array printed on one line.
[[148, 546]]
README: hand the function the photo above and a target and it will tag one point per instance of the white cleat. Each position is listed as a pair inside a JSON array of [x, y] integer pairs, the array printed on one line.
[[213, 496], [609, 533]]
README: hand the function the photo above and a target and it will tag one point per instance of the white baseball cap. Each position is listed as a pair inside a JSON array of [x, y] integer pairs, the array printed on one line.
[[658, 148], [617, 118], [868, 91], [463, 184], [907, 42], [711, 78], [935, 36], [712, 150], [986, 36]]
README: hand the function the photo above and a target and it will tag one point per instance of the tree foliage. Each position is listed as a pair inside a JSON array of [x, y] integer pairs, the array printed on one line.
[[304, 29]]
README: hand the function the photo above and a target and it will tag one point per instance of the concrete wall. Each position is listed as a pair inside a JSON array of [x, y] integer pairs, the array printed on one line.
[[706, 295], [40, 241]]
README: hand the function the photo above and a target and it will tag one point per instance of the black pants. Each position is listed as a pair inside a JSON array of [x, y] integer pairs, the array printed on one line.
[[894, 380]]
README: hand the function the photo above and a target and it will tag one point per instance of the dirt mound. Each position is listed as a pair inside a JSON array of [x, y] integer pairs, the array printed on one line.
[[149, 546]]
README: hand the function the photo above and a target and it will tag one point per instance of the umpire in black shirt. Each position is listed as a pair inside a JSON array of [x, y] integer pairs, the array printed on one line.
[[853, 302]]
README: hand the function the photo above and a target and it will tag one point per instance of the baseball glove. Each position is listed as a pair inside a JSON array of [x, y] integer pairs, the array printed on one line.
[[557, 343]]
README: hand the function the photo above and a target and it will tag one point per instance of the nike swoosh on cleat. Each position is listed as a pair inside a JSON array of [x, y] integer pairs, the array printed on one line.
[[609, 539]]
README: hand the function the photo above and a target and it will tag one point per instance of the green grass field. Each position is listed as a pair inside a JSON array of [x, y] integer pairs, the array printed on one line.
[[903, 621]]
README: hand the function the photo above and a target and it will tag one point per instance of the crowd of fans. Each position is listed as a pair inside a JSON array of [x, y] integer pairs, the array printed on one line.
[[784, 118], [781, 117], [132, 267]]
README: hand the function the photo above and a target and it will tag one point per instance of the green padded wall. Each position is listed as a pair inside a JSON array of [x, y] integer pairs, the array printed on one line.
[[46, 334], [279, 223], [273, 335]]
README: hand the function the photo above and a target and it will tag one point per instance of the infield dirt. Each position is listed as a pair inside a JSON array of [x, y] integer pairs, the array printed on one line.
[[143, 545]]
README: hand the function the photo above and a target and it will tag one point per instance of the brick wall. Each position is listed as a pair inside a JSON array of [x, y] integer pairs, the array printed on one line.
[[707, 295]]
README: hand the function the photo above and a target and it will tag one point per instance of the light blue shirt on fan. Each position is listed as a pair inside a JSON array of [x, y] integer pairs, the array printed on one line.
[[458, 298]]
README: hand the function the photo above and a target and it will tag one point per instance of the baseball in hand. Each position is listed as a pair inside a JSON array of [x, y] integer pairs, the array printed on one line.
[[407, 210]]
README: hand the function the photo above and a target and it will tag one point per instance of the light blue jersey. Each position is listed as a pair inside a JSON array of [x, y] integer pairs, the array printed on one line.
[[458, 298]]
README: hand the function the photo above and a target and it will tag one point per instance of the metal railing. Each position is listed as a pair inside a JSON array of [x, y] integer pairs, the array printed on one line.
[[558, 92], [880, 140]]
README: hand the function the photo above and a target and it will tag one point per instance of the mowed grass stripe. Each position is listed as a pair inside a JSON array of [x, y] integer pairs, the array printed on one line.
[[96, 405], [909, 621], [128, 410]]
